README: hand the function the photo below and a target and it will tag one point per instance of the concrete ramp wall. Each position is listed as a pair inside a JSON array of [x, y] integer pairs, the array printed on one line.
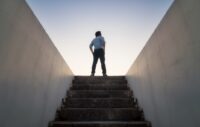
[[166, 75], [33, 75]]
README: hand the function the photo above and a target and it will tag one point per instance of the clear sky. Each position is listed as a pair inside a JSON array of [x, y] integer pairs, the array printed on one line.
[[125, 24]]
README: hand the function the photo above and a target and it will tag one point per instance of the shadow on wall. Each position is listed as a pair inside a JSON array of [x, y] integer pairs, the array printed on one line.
[[33, 75]]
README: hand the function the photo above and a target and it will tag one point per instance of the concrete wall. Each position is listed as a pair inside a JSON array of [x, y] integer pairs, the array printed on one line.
[[166, 75], [33, 75]]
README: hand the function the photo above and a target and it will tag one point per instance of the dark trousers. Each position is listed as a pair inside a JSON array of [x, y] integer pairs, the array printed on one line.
[[99, 53]]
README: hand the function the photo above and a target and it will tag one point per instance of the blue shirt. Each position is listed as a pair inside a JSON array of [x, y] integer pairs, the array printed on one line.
[[98, 43]]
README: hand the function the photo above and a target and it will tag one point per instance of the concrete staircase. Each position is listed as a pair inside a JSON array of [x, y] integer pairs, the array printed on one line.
[[99, 102]]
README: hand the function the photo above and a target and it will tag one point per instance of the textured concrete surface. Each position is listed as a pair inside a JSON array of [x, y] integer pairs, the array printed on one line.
[[166, 75], [33, 75], [80, 108]]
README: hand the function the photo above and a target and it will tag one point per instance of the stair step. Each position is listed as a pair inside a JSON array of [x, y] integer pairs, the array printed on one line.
[[100, 124], [99, 93], [99, 103], [100, 87], [99, 81], [100, 114], [99, 78]]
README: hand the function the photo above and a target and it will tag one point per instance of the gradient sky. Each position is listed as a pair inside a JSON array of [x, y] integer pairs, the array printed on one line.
[[125, 24]]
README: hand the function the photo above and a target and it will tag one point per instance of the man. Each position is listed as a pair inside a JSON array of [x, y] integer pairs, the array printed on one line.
[[99, 52]]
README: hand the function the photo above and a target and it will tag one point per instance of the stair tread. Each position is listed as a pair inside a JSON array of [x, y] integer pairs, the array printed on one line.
[[133, 108], [94, 114], [99, 80], [104, 83], [99, 87], [101, 99], [99, 93], [100, 122], [99, 102], [130, 98], [101, 90], [99, 77]]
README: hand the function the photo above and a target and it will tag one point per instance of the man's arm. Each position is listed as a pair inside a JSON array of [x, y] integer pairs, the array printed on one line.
[[104, 44], [91, 50], [91, 44]]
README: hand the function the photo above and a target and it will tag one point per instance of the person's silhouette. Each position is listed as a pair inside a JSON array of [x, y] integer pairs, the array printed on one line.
[[99, 52]]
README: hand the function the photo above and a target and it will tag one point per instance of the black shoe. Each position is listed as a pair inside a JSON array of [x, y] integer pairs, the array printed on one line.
[[105, 75], [92, 75]]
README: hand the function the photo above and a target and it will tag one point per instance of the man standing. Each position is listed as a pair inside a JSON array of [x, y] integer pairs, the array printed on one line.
[[99, 52]]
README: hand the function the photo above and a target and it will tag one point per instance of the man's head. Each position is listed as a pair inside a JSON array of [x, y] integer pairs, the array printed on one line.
[[98, 33]]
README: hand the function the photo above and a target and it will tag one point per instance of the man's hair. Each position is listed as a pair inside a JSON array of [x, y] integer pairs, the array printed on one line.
[[98, 33]]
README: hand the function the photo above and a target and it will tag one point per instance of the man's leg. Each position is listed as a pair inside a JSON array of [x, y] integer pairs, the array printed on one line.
[[103, 66], [95, 59]]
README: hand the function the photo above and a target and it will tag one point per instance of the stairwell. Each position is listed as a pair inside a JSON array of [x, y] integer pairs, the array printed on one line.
[[99, 102]]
